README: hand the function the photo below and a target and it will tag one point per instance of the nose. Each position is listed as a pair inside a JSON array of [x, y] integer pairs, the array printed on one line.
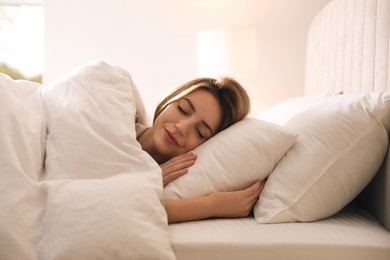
[[183, 126]]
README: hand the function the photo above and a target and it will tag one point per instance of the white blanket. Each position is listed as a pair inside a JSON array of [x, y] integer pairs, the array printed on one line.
[[75, 183]]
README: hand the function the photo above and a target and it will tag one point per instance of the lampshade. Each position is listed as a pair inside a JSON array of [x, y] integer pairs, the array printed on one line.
[[227, 52]]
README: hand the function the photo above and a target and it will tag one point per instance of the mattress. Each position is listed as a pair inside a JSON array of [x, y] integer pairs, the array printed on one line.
[[351, 234]]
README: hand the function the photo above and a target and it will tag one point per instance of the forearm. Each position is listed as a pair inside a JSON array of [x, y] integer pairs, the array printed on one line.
[[180, 210], [217, 204]]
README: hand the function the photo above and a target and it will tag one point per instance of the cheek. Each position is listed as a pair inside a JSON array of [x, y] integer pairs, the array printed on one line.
[[169, 112], [194, 142]]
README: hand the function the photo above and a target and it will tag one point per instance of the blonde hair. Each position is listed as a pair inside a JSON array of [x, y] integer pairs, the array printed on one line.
[[234, 100]]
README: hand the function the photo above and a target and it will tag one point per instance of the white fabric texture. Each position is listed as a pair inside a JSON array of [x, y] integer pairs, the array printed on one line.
[[22, 146], [23, 126], [112, 218], [282, 111], [351, 234], [97, 195], [91, 126], [233, 159], [341, 144]]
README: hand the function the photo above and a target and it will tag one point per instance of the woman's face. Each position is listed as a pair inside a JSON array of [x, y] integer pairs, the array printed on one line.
[[186, 123]]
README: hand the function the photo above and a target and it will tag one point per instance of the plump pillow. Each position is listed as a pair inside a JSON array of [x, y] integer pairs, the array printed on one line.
[[91, 115], [233, 159], [341, 144], [118, 217], [284, 110]]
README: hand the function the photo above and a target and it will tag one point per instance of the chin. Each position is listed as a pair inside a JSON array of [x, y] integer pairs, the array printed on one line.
[[164, 151]]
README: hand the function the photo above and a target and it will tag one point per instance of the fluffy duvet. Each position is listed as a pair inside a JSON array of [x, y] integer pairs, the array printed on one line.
[[75, 184]]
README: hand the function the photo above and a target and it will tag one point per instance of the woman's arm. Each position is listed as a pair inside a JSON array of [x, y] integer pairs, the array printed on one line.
[[217, 204]]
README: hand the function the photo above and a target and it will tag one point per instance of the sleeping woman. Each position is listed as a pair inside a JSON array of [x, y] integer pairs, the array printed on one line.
[[186, 118]]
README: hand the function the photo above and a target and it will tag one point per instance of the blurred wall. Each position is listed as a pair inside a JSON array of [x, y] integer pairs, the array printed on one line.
[[155, 40]]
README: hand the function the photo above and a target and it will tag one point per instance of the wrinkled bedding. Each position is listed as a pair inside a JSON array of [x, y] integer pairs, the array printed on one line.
[[75, 183]]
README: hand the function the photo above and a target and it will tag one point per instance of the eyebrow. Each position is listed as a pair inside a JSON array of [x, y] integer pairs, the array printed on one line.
[[194, 110]]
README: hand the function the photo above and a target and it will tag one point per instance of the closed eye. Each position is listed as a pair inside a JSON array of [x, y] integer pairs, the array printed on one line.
[[182, 110], [186, 107], [200, 134]]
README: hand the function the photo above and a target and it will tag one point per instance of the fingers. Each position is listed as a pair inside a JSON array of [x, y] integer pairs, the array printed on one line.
[[179, 162], [256, 188], [236, 203], [177, 167], [183, 157], [167, 178], [253, 192]]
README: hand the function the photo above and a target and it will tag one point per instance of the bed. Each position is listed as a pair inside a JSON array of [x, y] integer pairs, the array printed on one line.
[[348, 52], [75, 183]]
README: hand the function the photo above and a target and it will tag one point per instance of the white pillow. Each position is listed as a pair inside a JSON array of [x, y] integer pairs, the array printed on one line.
[[91, 124], [341, 144], [115, 218], [284, 110], [233, 159]]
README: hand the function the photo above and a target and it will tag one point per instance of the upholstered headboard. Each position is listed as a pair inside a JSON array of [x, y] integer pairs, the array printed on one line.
[[349, 51], [348, 47]]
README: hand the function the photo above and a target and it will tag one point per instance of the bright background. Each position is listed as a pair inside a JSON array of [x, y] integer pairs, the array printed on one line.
[[155, 40], [22, 38]]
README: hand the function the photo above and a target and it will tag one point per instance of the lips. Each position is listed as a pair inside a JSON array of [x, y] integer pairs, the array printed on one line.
[[170, 138]]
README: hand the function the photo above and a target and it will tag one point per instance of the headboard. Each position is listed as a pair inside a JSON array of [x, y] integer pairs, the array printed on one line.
[[349, 51], [348, 47]]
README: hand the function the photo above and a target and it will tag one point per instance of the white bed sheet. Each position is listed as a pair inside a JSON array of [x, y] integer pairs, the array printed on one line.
[[351, 234]]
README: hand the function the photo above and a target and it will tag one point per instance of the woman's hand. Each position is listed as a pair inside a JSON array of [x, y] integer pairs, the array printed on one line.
[[237, 203], [217, 204], [177, 166]]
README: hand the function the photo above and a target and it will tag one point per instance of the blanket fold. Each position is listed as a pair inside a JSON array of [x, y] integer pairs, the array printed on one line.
[[75, 183]]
